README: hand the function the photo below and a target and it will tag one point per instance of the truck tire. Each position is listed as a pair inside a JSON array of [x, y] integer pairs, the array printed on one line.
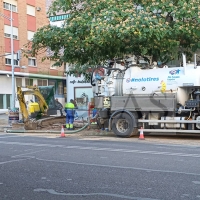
[[122, 125]]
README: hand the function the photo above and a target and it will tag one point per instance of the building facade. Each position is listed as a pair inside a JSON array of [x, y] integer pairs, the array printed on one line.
[[28, 16]]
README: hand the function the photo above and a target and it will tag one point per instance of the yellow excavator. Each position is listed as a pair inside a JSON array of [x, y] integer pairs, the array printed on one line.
[[40, 113]]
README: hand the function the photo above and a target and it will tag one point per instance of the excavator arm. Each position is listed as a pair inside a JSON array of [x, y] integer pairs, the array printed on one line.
[[22, 104]]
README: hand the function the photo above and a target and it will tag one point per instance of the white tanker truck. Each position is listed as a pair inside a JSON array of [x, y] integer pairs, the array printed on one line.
[[158, 100]]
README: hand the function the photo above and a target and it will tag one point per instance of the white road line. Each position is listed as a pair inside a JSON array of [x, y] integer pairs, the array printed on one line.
[[10, 161], [119, 167], [24, 154], [104, 149], [11, 136]]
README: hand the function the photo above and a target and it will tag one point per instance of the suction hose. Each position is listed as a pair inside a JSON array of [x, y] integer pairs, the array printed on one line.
[[45, 131]]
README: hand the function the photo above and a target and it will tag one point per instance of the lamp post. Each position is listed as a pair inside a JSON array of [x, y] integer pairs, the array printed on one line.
[[12, 56]]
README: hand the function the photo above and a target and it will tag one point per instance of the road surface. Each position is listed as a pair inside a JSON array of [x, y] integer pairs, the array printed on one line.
[[92, 168]]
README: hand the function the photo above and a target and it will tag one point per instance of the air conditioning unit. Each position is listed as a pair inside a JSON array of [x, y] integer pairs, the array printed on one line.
[[38, 8]]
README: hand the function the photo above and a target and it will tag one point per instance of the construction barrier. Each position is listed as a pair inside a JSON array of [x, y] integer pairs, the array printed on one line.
[[141, 137], [13, 115]]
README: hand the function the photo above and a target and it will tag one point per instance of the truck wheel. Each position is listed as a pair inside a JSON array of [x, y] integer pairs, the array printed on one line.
[[122, 125]]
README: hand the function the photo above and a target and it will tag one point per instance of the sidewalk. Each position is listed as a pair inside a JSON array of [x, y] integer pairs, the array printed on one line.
[[4, 121]]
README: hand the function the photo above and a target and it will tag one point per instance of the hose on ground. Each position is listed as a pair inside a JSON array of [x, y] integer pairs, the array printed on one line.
[[46, 131]]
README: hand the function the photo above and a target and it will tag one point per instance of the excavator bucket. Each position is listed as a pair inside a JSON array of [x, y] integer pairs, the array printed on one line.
[[30, 125]]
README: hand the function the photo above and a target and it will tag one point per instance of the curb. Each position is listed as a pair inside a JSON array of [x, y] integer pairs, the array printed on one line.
[[4, 129]]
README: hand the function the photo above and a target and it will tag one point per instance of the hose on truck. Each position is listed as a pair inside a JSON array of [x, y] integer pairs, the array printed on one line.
[[108, 68], [46, 131]]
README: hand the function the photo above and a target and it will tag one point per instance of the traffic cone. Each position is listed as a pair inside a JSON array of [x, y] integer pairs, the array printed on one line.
[[141, 134], [62, 132]]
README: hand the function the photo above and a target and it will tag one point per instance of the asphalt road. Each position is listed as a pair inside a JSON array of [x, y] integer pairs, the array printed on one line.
[[91, 168]]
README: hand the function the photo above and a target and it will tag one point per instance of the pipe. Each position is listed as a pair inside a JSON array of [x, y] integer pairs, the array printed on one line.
[[44, 131], [180, 110]]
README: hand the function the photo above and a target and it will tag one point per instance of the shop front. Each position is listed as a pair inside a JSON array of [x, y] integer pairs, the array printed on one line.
[[81, 91]]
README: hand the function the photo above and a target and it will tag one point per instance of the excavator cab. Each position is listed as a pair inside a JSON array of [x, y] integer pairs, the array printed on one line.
[[33, 109]]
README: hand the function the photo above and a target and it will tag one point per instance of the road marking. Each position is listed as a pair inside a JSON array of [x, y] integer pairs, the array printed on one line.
[[10, 161], [12, 136], [51, 191], [24, 154], [118, 167], [104, 149]]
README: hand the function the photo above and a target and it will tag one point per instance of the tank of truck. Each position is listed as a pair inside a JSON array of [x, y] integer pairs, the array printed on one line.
[[179, 80], [138, 81]]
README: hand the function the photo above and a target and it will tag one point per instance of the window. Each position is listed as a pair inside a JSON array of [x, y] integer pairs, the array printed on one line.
[[83, 95], [9, 6], [8, 99], [9, 36], [8, 60], [18, 82], [30, 35], [53, 83], [7, 32], [5, 100], [30, 10], [42, 82], [60, 88], [28, 81], [31, 62], [51, 65], [1, 101]]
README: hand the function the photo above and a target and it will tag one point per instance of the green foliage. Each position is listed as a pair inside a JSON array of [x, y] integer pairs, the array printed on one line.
[[105, 29]]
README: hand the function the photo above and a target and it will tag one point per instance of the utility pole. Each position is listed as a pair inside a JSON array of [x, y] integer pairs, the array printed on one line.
[[12, 61], [12, 56]]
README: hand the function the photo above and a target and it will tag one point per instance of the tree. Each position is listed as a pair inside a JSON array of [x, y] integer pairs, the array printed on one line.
[[106, 29]]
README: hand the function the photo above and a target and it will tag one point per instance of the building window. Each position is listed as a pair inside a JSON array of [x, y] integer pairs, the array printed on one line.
[[8, 62], [42, 82], [1, 101], [9, 36], [5, 100], [51, 65], [7, 32], [30, 10], [83, 95], [60, 88], [18, 82], [53, 83], [31, 62], [30, 35], [28, 82], [9, 6]]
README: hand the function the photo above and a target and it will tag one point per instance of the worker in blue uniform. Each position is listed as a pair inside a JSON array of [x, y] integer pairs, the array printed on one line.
[[69, 109]]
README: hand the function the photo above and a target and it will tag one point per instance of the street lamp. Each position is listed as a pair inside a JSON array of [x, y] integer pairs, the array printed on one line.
[[12, 56]]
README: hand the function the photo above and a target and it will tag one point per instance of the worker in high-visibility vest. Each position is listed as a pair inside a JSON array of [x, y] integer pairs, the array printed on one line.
[[163, 86], [69, 109]]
